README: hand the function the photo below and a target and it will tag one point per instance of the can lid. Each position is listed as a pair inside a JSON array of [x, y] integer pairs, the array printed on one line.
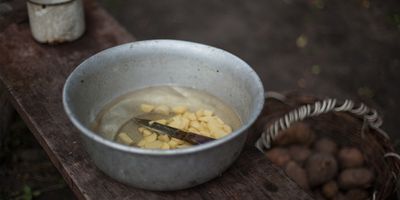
[[49, 2]]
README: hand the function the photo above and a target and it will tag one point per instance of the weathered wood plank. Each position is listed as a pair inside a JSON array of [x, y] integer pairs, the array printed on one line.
[[34, 75]]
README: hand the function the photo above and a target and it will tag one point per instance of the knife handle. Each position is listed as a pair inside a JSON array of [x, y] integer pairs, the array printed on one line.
[[194, 138]]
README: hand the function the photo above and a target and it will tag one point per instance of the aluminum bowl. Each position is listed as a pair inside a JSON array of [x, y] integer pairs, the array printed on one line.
[[125, 68]]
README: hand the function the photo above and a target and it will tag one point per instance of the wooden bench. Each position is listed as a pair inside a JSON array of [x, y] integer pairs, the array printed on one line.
[[34, 75]]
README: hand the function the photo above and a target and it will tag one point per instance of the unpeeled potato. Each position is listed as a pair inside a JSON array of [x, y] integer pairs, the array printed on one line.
[[330, 189], [331, 172], [320, 167], [357, 194], [298, 174], [299, 153], [326, 145], [350, 157], [279, 156], [355, 178], [297, 133]]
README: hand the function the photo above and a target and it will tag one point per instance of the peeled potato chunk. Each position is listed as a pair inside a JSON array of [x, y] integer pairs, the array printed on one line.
[[164, 138], [151, 138], [165, 146], [179, 109], [146, 133], [141, 143], [154, 144], [173, 144], [146, 108], [162, 109], [124, 139]]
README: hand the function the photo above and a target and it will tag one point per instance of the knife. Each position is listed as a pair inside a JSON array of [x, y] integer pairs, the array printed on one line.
[[189, 137]]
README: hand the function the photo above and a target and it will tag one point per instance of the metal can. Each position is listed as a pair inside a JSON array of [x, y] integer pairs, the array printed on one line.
[[56, 21]]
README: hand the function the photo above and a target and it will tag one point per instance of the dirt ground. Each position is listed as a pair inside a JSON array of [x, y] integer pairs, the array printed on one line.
[[342, 49]]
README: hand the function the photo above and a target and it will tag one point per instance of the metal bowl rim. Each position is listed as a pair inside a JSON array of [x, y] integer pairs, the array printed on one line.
[[154, 152]]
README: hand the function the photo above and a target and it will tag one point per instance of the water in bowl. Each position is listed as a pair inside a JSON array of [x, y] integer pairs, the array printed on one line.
[[117, 115]]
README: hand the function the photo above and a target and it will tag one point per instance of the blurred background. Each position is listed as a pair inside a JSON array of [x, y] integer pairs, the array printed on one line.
[[341, 49], [331, 48]]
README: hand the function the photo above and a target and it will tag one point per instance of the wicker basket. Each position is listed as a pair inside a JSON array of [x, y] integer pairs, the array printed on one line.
[[345, 122]]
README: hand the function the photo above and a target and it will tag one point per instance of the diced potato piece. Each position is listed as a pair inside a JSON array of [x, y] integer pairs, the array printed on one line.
[[179, 109], [213, 124], [141, 129], [179, 122], [205, 133], [178, 141], [172, 144], [204, 126], [218, 133], [154, 144], [216, 129], [227, 128], [185, 115], [151, 138], [195, 124], [185, 123], [146, 132], [165, 146], [124, 139], [146, 108], [200, 113], [206, 119], [208, 113], [176, 123], [191, 116], [164, 138], [193, 130], [141, 143], [203, 119], [162, 109], [219, 120]]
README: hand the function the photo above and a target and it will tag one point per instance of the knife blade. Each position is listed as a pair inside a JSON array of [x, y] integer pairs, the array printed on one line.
[[189, 137]]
